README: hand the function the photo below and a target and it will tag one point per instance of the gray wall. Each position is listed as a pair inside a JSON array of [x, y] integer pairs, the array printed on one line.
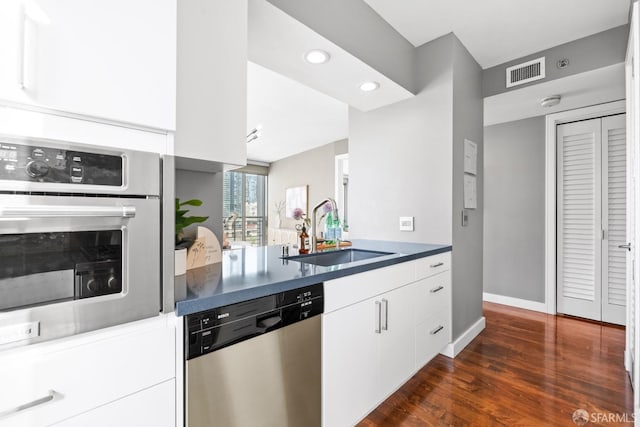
[[467, 251], [400, 158], [406, 159], [610, 45], [514, 209], [315, 168], [208, 188], [373, 40]]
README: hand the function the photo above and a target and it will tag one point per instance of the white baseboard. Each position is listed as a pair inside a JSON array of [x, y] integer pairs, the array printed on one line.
[[515, 302], [454, 348]]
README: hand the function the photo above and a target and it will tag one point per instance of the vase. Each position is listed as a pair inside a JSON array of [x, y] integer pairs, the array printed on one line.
[[277, 221]]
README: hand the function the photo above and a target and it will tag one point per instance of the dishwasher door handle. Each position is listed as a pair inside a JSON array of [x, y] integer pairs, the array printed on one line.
[[267, 323]]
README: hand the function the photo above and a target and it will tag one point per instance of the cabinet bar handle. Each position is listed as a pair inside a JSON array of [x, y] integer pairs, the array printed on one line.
[[48, 211], [438, 264], [48, 398], [438, 289], [436, 330], [385, 327], [379, 319]]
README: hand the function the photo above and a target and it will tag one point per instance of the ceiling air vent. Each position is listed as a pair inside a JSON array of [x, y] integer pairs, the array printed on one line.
[[526, 72]]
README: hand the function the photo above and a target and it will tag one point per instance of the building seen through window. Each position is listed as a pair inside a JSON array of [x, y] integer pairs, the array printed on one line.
[[245, 208]]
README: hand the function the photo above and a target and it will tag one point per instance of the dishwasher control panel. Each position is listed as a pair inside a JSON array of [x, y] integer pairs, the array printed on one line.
[[220, 327]]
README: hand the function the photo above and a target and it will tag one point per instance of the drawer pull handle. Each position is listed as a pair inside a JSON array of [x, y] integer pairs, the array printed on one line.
[[48, 398], [436, 330], [438, 264], [438, 289]]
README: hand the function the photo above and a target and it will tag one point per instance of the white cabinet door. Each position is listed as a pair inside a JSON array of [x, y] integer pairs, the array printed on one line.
[[212, 84], [396, 341], [145, 408], [12, 17], [112, 59], [350, 375]]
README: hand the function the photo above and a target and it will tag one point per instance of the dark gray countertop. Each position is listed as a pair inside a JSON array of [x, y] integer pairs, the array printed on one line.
[[254, 272]]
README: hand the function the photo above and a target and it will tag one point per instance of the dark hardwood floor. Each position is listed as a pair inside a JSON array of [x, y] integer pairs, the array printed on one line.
[[525, 369]]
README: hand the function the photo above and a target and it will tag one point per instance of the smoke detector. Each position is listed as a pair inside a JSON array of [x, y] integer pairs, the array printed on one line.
[[550, 101]]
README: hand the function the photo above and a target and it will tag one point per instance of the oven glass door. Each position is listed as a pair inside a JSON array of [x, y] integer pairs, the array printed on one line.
[[50, 267]]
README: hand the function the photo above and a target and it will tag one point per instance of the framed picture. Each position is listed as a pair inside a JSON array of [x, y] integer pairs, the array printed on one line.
[[296, 197]]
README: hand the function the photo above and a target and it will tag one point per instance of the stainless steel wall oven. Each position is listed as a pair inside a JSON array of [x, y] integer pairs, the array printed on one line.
[[79, 238]]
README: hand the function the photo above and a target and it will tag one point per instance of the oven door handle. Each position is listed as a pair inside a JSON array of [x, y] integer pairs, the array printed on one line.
[[46, 211]]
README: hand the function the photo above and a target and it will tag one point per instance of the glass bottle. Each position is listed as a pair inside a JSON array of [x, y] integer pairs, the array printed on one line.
[[304, 241], [329, 231]]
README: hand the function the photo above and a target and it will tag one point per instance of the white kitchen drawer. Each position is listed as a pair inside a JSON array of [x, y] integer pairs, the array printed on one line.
[[432, 295], [432, 336], [429, 266], [83, 372], [144, 408], [349, 290]]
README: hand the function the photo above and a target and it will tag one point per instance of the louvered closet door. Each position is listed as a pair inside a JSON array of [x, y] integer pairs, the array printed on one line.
[[592, 219], [579, 219], [614, 189]]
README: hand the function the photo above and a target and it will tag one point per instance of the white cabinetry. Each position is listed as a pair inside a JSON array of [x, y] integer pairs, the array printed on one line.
[[349, 363], [113, 59], [379, 328], [105, 370], [396, 341], [365, 355], [139, 409], [212, 84], [432, 316]]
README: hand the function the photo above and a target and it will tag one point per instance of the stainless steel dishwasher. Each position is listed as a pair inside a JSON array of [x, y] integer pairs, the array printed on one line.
[[256, 363]]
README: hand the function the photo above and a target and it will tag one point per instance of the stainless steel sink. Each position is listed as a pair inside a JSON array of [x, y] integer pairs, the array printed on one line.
[[342, 256]]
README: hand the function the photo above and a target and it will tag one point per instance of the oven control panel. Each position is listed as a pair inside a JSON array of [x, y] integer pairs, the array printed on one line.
[[53, 165]]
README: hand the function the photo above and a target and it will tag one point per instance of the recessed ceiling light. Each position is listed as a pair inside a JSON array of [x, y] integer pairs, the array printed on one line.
[[550, 101], [317, 56], [369, 86]]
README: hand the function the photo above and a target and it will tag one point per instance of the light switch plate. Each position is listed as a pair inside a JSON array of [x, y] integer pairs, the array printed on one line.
[[406, 223], [465, 218]]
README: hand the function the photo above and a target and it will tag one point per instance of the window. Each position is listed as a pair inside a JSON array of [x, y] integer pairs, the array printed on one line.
[[245, 207]]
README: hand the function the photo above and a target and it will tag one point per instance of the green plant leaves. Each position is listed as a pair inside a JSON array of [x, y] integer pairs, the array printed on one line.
[[192, 202], [183, 221]]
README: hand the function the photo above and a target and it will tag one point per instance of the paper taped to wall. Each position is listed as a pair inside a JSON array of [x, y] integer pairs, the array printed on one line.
[[470, 195], [470, 157]]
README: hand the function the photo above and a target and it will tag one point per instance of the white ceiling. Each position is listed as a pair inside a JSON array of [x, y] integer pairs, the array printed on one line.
[[294, 117], [297, 118], [497, 31], [589, 88], [278, 41]]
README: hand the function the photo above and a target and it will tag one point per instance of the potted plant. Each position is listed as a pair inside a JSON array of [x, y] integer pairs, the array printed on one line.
[[182, 243]]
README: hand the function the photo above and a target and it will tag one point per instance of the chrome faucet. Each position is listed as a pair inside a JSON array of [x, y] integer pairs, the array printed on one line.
[[314, 239]]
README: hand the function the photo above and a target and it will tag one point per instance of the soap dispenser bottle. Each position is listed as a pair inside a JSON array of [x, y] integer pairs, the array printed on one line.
[[304, 241]]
